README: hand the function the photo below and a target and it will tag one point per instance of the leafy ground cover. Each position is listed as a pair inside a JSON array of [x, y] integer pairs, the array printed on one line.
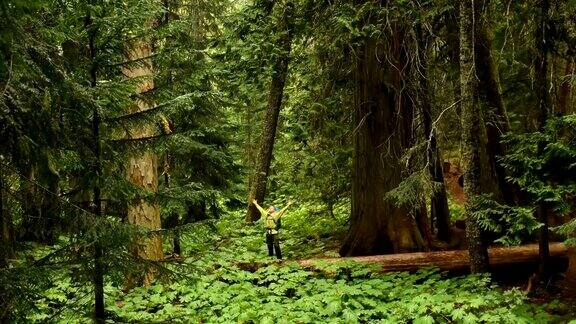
[[212, 286]]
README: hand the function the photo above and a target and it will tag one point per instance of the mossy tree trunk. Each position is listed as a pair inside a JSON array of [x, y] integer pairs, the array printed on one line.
[[439, 211], [383, 119], [471, 134], [491, 91], [250, 119], [542, 112], [276, 92]]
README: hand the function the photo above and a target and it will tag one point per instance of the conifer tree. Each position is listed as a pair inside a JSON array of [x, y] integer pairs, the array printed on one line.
[[280, 69], [471, 134], [382, 117]]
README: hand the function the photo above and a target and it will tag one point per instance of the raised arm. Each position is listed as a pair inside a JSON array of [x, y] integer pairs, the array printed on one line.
[[255, 202], [283, 210]]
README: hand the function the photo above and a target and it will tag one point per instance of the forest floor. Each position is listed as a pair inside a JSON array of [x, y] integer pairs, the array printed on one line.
[[210, 285], [557, 296]]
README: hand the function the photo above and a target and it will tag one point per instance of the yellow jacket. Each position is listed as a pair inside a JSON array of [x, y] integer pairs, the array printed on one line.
[[271, 219]]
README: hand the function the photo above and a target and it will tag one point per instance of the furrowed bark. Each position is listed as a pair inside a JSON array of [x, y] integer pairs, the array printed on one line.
[[382, 131], [471, 120], [142, 168], [276, 92]]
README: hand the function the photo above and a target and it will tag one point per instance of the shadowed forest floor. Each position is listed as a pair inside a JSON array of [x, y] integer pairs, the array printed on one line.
[[214, 282]]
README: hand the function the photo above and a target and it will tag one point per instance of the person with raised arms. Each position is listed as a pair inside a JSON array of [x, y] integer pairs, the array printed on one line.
[[272, 222]]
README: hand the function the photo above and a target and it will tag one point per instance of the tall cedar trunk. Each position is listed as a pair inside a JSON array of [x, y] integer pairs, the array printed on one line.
[[143, 166], [280, 70], [471, 120], [98, 275], [541, 71], [439, 211], [487, 73], [383, 124]]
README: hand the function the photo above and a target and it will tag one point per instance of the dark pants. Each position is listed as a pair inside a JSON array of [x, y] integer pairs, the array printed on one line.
[[273, 244]]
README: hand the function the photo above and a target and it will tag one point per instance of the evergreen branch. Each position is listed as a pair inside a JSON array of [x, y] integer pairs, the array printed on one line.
[[146, 111]]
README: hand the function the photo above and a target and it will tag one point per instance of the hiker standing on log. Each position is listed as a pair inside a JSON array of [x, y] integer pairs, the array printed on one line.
[[272, 221]]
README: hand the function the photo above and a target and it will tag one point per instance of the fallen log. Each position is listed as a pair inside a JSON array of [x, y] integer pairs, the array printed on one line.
[[455, 260]]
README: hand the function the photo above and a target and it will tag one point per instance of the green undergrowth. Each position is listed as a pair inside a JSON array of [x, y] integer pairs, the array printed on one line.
[[351, 294], [227, 278]]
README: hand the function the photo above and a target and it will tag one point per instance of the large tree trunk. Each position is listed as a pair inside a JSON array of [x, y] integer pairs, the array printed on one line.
[[471, 134], [383, 120], [143, 167], [280, 70], [439, 211], [543, 111], [487, 72], [500, 257]]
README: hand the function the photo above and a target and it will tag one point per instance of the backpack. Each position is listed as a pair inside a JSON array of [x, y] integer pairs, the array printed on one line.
[[273, 224]]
